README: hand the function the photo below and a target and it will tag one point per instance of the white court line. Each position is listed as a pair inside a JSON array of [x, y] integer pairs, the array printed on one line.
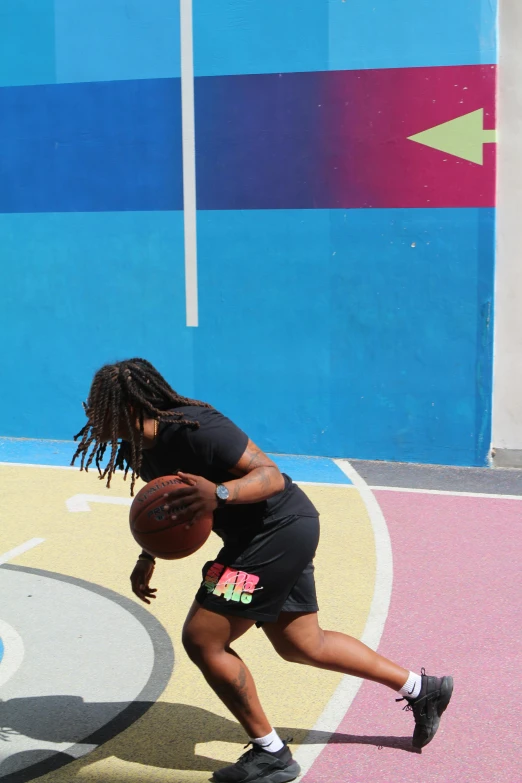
[[19, 550], [451, 493], [188, 133], [346, 691], [13, 652], [81, 502]]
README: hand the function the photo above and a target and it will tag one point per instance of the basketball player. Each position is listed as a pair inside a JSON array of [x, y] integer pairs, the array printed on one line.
[[264, 573]]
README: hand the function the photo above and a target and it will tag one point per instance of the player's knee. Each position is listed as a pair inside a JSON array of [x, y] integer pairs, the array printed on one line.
[[199, 647], [194, 645]]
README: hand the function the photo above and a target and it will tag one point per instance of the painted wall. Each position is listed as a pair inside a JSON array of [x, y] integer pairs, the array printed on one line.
[[507, 398], [345, 270]]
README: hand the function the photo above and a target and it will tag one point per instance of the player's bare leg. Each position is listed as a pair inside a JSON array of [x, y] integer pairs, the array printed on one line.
[[299, 638], [207, 637]]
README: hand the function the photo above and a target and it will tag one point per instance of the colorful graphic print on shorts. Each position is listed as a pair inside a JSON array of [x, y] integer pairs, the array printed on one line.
[[230, 584]]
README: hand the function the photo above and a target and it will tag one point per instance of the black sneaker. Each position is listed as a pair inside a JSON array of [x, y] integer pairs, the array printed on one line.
[[434, 697], [258, 764]]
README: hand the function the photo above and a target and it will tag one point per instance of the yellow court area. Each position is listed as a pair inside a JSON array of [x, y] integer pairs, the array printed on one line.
[[187, 732]]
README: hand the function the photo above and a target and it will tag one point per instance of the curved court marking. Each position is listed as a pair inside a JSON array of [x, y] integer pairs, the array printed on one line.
[[162, 666], [13, 648], [347, 689], [19, 550]]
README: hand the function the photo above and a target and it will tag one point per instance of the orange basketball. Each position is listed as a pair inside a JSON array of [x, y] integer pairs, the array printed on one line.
[[156, 532]]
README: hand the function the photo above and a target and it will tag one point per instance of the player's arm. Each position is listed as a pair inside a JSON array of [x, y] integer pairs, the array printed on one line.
[[259, 477]]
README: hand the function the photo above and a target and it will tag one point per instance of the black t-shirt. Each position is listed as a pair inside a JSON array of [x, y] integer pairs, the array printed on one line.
[[211, 451]]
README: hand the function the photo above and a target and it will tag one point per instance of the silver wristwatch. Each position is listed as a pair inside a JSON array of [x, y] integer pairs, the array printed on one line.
[[222, 494]]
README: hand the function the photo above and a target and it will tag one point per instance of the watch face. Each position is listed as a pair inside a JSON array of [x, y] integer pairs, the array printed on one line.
[[222, 492]]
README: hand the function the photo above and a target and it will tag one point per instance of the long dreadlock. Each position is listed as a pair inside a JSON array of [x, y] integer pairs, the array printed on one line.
[[115, 389]]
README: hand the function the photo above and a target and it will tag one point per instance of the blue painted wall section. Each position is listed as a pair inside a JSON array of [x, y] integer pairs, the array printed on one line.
[[325, 329], [275, 36], [355, 356], [27, 42], [98, 40], [108, 285], [91, 147]]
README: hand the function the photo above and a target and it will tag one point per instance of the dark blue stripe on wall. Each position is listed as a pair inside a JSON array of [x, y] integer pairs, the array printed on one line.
[[260, 142], [101, 146]]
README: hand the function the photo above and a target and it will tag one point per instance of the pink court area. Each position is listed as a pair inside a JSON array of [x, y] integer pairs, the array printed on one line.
[[455, 609]]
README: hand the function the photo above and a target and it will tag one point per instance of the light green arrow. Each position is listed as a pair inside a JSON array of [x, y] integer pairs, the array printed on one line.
[[463, 137]]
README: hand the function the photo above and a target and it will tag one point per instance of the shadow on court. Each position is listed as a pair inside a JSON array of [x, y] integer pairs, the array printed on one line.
[[163, 735]]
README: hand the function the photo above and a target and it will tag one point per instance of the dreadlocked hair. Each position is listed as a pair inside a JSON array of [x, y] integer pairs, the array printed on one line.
[[115, 389]]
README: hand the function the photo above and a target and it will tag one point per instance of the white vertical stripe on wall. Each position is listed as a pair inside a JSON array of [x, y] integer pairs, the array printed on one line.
[[189, 162]]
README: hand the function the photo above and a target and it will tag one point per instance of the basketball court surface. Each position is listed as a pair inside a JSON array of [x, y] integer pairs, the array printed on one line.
[[422, 563]]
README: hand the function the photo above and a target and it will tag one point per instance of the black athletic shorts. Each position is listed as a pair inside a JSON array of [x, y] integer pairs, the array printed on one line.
[[271, 573]]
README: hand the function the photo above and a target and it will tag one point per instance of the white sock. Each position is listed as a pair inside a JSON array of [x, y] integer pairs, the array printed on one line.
[[412, 686], [272, 742]]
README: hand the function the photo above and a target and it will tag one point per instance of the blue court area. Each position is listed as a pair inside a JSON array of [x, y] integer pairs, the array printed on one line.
[[58, 453]]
